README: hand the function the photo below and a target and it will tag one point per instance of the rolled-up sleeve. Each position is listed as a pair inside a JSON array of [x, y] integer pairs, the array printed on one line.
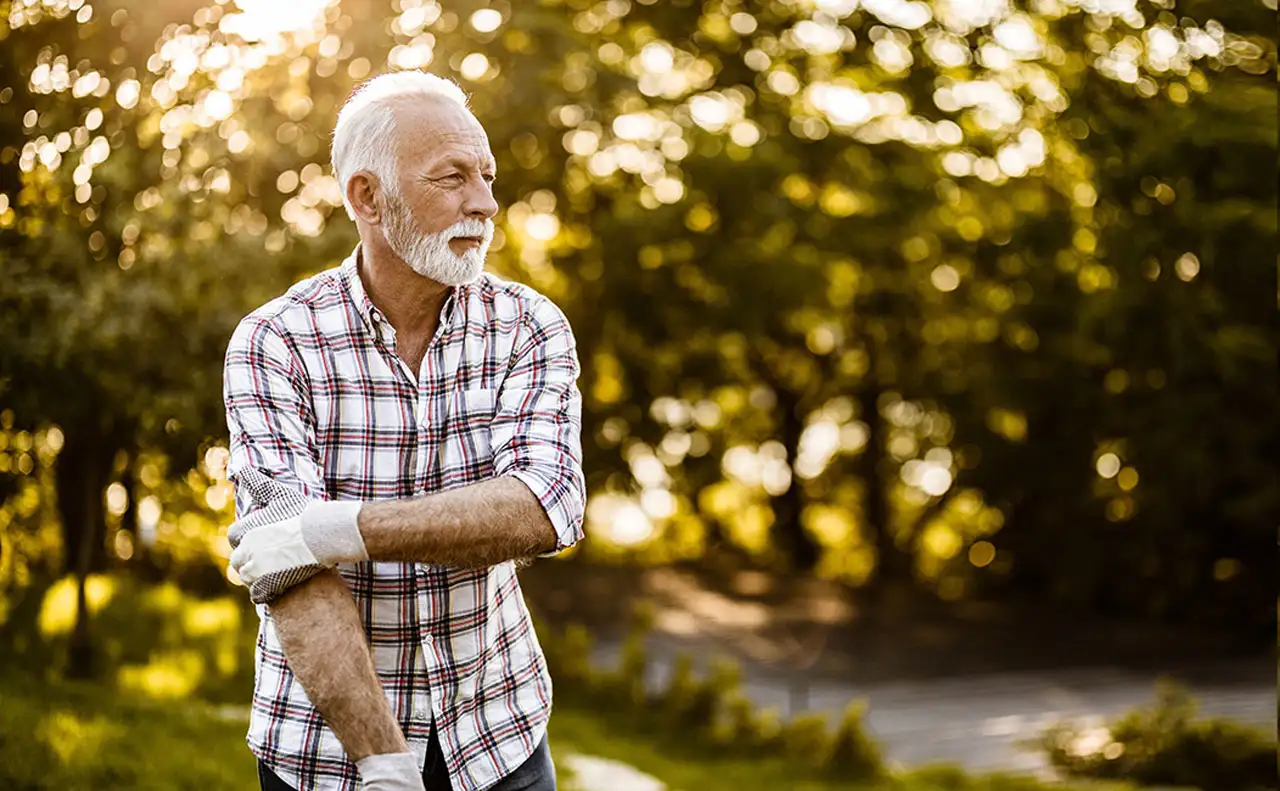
[[537, 427], [273, 459]]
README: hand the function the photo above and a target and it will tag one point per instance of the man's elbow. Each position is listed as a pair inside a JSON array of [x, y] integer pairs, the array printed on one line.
[[572, 510], [575, 531], [561, 497]]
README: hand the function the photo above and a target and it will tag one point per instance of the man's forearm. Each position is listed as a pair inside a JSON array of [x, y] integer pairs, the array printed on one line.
[[478, 525], [324, 642]]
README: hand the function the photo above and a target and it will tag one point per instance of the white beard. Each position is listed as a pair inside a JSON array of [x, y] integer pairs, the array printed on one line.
[[429, 254]]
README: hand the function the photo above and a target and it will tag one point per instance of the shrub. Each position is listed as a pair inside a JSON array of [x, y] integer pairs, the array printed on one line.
[[942, 778], [625, 686], [710, 711], [703, 705], [574, 664], [854, 756], [1166, 745], [805, 739], [677, 698], [739, 726]]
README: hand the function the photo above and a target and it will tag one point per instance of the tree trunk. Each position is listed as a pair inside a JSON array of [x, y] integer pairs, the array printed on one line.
[[893, 562], [129, 520], [81, 472], [801, 551]]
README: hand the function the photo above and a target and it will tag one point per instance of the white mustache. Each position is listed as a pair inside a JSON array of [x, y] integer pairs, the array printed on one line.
[[469, 227]]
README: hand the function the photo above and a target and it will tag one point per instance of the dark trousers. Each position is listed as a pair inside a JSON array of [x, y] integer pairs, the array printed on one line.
[[537, 773]]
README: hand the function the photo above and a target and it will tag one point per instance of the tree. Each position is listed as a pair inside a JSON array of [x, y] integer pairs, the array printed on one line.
[[856, 287], [123, 288]]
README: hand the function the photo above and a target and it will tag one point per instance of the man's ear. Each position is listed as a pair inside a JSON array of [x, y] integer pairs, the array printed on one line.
[[362, 194]]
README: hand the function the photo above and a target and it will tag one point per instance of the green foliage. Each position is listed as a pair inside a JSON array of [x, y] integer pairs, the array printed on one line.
[[711, 714], [106, 735], [943, 778], [1167, 745], [698, 700], [156, 641], [853, 752], [710, 710], [627, 682], [81, 736], [819, 263], [56, 736], [571, 655], [681, 688], [807, 739]]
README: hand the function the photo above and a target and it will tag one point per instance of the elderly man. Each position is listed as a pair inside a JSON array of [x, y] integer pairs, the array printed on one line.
[[404, 428]]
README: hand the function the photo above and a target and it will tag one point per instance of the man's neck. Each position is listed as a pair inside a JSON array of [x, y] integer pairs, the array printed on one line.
[[410, 301]]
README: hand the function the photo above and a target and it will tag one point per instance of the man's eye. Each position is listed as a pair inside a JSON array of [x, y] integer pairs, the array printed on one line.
[[451, 178], [490, 178]]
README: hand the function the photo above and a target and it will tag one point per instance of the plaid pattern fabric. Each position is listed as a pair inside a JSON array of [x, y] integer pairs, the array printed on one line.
[[320, 407]]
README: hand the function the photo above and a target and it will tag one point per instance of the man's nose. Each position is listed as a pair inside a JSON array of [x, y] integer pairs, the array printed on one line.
[[480, 203]]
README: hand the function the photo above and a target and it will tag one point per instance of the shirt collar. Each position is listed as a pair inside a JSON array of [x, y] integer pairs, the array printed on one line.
[[372, 317], [350, 272]]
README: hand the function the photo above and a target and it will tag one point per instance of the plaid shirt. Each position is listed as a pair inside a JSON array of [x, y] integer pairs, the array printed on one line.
[[320, 407]]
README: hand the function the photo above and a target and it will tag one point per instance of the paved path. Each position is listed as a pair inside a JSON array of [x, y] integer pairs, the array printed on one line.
[[978, 721], [591, 773]]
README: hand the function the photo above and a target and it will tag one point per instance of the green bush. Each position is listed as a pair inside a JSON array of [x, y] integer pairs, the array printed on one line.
[[805, 739], [677, 698], [625, 686], [854, 756], [743, 729], [708, 705], [568, 656], [578, 650], [943, 778], [1167, 745], [710, 712]]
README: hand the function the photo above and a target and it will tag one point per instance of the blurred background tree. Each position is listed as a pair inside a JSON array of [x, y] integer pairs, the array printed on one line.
[[969, 297]]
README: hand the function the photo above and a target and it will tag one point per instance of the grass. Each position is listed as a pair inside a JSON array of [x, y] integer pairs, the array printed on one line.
[[78, 737], [88, 737]]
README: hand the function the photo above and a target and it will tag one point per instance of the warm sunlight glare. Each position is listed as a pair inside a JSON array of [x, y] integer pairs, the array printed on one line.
[[1108, 465], [262, 19]]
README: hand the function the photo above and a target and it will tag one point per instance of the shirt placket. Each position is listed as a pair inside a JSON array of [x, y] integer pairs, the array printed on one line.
[[387, 337], [433, 407], [422, 710]]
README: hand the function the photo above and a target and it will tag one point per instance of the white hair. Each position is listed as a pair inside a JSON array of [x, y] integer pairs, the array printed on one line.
[[363, 137]]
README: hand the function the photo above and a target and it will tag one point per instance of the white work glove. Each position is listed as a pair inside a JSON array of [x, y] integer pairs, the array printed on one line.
[[326, 533], [390, 772]]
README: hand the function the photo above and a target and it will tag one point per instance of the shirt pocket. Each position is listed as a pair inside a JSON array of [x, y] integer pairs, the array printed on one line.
[[466, 453]]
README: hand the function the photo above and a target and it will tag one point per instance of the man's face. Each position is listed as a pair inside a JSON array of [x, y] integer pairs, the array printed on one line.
[[441, 221]]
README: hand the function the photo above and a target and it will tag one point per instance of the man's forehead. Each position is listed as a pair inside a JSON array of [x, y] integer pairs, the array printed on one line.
[[426, 114], [440, 129], [452, 147]]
